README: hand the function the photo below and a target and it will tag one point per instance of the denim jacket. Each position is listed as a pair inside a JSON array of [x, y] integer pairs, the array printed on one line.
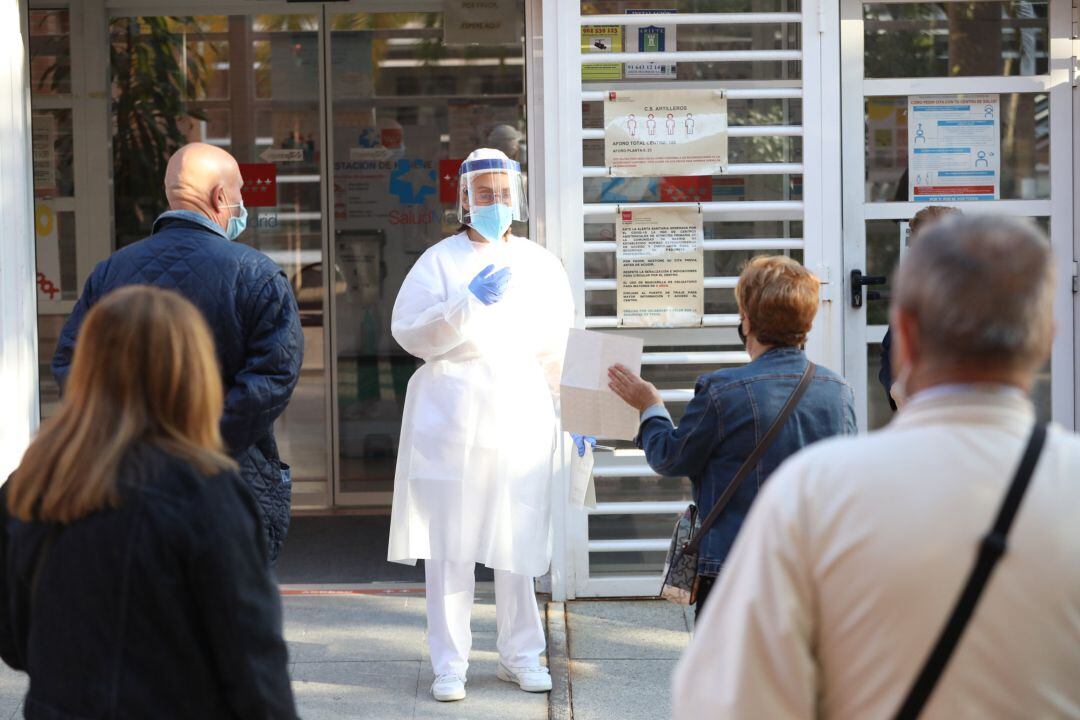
[[730, 412]]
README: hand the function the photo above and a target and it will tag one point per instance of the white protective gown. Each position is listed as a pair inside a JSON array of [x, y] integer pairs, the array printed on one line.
[[478, 436]]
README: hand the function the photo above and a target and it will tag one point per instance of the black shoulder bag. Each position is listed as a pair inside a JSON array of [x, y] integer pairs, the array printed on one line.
[[680, 582], [991, 549]]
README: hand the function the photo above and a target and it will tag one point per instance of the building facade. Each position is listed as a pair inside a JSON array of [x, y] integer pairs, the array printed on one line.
[[350, 117]]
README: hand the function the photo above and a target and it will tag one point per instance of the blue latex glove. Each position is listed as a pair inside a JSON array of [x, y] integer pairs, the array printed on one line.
[[580, 442], [488, 286]]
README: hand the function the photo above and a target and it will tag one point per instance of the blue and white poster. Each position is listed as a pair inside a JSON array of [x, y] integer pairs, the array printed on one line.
[[954, 148], [650, 39]]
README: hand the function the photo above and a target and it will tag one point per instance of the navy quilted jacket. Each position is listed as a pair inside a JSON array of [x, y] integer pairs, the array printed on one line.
[[251, 309]]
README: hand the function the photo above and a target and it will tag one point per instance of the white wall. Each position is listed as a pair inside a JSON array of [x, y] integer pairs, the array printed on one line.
[[18, 311]]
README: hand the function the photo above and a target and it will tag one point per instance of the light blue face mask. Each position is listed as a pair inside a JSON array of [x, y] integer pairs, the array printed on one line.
[[237, 224], [491, 221]]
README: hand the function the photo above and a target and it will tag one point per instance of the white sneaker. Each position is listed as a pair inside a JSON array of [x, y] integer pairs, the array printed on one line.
[[529, 679], [448, 688]]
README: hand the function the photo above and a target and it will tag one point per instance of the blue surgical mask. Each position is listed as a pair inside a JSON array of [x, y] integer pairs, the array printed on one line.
[[237, 224], [491, 221]]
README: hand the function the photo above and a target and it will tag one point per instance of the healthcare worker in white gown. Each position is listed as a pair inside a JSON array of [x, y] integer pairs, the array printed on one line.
[[488, 313]]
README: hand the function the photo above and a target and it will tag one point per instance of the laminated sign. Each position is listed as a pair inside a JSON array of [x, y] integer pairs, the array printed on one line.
[[954, 148], [660, 267], [601, 39], [651, 38], [480, 22], [648, 133]]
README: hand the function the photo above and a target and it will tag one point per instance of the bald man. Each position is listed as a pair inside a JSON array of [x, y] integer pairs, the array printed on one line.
[[245, 298]]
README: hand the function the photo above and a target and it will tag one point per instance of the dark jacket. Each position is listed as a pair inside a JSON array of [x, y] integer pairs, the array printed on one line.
[[163, 607], [730, 412], [885, 376], [252, 312]]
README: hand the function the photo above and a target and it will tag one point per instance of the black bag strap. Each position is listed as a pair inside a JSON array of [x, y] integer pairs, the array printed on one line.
[[991, 549], [755, 457]]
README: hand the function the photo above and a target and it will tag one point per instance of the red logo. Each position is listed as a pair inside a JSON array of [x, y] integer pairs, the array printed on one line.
[[46, 286], [448, 180], [686, 189], [391, 138], [260, 184], [627, 215]]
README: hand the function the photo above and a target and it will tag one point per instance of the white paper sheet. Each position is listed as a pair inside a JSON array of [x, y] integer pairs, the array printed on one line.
[[589, 407]]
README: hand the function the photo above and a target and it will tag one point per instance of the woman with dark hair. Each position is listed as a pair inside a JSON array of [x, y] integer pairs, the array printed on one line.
[[136, 581]]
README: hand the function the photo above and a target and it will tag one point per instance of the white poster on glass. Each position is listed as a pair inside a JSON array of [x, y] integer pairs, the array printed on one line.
[[480, 22], [650, 133], [954, 148], [660, 267], [43, 132]]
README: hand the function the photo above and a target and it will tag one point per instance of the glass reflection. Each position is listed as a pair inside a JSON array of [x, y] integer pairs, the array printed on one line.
[[406, 108], [955, 39], [1025, 147], [250, 85]]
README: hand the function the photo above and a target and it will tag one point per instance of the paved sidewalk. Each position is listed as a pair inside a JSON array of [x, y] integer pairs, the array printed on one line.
[[622, 654], [365, 656]]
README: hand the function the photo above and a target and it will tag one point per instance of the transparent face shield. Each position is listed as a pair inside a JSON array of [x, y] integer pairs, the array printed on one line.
[[492, 195]]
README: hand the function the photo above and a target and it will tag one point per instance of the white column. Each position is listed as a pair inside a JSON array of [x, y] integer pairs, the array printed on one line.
[[18, 303]]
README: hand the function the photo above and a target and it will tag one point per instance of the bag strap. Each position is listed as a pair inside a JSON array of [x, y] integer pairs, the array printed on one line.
[[991, 549], [755, 457]]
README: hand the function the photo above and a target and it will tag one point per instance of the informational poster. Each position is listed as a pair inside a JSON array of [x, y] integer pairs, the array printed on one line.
[[294, 65], [588, 405], [650, 38], [481, 22], [43, 131], [660, 267], [387, 213], [665, 132], [48, 251], [954, 148], [601, 39], [351, 66]]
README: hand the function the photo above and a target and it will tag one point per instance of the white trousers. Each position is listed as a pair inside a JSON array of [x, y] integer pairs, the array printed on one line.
[[450, 590]]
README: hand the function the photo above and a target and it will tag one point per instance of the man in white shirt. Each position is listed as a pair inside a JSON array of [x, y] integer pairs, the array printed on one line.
[[857, 549]]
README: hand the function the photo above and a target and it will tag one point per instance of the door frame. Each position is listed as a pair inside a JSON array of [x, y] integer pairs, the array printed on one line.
[[1057, 85]]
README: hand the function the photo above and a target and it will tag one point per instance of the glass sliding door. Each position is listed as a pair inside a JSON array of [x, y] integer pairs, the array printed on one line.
[[249, 84], [394, 101], [405, 108]]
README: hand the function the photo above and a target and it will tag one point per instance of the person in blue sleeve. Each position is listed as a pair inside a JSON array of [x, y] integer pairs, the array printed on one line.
[[733, 408]]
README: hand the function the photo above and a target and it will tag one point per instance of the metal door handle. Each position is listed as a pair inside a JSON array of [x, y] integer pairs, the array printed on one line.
[[859, 281]]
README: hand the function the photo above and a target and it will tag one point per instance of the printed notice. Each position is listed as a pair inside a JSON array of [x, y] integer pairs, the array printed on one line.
[[601, 39], [43, 138], [481, 22], [651, 38], [649, 133], [660, 267], [954, 148], [588, 406]]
